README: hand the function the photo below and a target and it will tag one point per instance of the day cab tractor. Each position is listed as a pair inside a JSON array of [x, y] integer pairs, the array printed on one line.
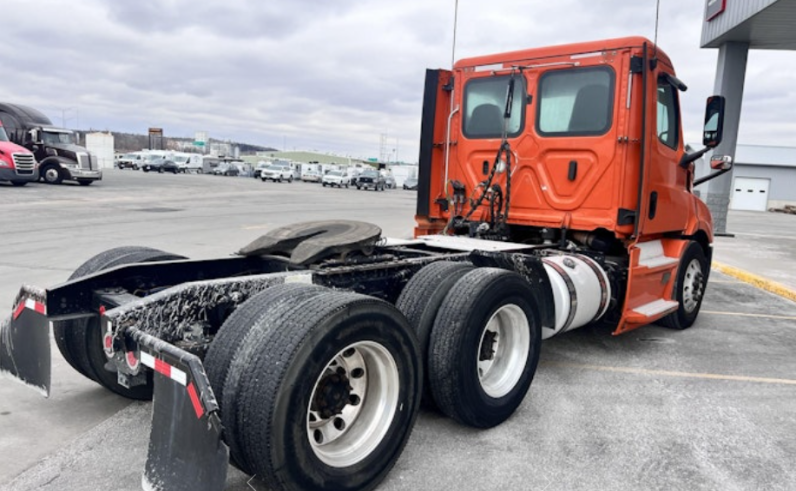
[[554, 192], [17, 164]]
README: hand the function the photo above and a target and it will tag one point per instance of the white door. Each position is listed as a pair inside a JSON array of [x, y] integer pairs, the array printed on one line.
[[750, 193]]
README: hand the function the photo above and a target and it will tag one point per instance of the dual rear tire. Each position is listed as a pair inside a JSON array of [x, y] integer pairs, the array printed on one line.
[[80, 340], [328, 403], [480, 332]]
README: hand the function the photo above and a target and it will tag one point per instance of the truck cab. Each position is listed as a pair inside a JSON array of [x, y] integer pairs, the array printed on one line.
[[17, 164], [60, 157], [578, 145]]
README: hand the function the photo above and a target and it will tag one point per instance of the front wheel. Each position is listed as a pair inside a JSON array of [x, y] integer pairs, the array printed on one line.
[[51, 174], [335, 409], [692, 279]]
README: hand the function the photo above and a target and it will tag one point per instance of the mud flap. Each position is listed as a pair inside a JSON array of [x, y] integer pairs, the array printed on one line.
[[186, 450], [25, 341]]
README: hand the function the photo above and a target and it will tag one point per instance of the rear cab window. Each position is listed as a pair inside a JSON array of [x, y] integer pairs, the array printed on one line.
[[485, 102], [575, 102]]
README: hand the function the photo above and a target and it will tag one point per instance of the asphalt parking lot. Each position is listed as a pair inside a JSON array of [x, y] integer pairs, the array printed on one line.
[[709, 408]]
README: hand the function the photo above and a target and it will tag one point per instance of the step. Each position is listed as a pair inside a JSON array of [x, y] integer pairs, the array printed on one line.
[[655, 308], [652, 255]]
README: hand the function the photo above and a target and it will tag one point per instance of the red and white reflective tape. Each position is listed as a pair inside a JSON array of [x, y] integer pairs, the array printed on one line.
[[31, 304], [175, 374], [197, 404], [164, 368]]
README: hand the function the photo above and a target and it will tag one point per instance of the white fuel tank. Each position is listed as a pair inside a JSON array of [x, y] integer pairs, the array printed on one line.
[[581, 291]]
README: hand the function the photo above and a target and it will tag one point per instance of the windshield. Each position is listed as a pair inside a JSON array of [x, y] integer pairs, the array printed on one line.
[[484, 103], [180, 159], [56, 138], [3, 136], [369, 173], [274, 168], [575, 101], [335, 173]]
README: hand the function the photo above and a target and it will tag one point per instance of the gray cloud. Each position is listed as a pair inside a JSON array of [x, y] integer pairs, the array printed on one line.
[[326, 75]]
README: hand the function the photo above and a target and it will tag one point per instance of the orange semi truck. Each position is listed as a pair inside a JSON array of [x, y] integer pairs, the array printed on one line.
[[554, 192]]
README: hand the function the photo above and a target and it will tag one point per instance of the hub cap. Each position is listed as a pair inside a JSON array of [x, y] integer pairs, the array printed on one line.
[[503, 350], [693, 286], [51, 174], [352, 404]]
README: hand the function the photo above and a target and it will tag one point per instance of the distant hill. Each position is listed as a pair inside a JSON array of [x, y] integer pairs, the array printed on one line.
[[133, 142]]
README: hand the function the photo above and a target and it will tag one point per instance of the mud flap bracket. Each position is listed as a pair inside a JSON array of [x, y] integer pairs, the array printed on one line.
[[186, 450]]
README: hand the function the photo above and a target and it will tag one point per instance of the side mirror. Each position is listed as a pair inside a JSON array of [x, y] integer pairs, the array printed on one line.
[[721, 162], [714, 121], [34, 135]]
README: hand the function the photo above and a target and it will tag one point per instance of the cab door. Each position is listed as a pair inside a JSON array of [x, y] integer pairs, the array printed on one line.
[[666, 201]]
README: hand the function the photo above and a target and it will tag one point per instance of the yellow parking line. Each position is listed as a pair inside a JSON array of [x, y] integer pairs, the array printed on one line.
[[736, 282], [758, 281], [762, 316], [666, 373]]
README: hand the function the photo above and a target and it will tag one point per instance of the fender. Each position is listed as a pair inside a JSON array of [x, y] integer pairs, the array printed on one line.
[[57, 160]]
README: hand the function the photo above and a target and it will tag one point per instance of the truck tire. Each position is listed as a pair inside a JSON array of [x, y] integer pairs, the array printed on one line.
[[225, 344], [51, 174], [484, 347], [330, 402], [80, 340], [420, 301], [690, 287]]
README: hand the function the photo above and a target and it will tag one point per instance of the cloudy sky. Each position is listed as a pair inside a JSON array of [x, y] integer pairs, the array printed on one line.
[[328, 75]]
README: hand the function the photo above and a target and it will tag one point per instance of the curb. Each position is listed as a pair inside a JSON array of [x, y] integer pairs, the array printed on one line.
[[755, 280]]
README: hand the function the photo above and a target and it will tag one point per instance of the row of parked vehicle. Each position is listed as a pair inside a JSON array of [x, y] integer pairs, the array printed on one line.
[[181, 163]]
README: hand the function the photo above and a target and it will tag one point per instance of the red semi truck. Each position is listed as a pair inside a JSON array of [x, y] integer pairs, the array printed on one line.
[[17, 164], [555, 191]]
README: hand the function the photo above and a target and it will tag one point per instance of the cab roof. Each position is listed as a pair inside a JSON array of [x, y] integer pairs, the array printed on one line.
[[562, 50]]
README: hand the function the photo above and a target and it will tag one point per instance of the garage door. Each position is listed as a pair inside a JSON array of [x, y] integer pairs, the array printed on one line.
[[749, 193]]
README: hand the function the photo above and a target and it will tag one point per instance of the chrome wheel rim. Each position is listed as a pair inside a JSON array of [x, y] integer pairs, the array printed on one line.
[[503, 350], [51, 174], [353, 404], [692, 285]]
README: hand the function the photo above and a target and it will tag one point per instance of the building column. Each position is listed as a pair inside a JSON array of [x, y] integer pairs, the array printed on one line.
[[730, 75]]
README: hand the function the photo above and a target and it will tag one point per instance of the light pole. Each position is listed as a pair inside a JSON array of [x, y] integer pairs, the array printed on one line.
[[64, 119]]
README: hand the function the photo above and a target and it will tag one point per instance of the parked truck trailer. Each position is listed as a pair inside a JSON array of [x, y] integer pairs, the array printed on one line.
[[60, 157], [555, 192]]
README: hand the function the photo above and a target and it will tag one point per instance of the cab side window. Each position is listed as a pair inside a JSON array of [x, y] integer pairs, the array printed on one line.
[[668, 115]]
